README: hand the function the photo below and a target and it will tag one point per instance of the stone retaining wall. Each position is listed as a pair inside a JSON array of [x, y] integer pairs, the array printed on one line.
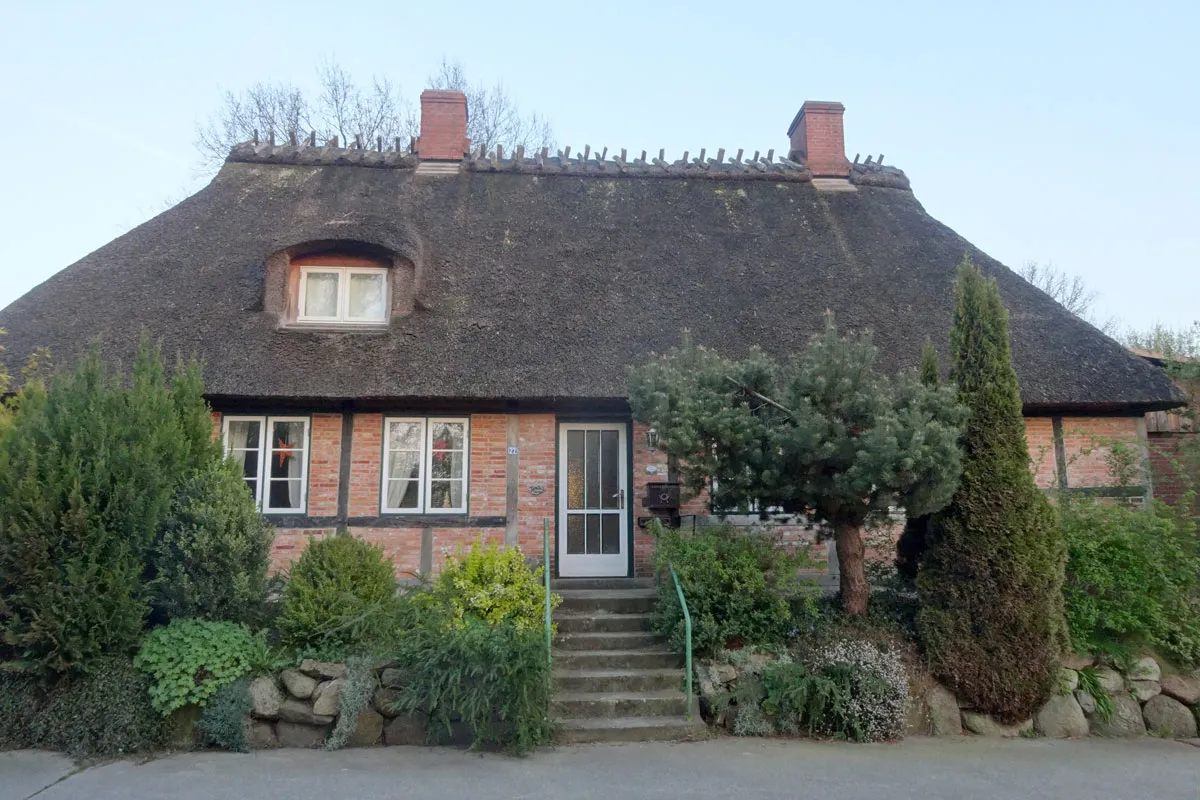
[[299, 707]]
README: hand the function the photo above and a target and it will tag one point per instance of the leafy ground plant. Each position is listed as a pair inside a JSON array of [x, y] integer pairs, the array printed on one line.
[[356, 696], [190, 659], [1089, 682]]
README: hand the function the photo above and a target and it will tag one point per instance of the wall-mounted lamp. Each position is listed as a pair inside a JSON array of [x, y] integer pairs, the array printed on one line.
[[652, 439]]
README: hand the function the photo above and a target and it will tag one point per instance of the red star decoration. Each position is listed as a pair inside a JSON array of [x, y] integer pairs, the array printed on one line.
[[283, 448]]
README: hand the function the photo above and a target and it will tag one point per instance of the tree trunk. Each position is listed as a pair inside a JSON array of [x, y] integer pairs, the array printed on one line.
[[852, 575]]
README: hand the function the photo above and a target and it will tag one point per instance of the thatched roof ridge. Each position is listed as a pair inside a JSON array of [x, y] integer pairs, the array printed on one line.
[[533, 288]]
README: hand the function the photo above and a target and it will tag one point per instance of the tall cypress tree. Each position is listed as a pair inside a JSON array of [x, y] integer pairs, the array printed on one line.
[[910, 547], [990, 586]]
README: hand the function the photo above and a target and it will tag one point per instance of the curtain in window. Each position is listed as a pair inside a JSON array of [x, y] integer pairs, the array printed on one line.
[[287, 465], [244, 444]]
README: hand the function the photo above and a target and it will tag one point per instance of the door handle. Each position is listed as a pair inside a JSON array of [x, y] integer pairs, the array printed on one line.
[[622, 507]]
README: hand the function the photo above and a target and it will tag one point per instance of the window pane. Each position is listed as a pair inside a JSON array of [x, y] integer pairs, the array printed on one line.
[[591, 472], [249, 461], [446, 465], [252, 485], [402, 494], [366, 296], [287, 450], [575, 470], [447, 436], [611, 535], [445, 494], [284, 495], [243, 434], [610, 490], [321, 294], [404, 435], [574, 533], [404, 464]]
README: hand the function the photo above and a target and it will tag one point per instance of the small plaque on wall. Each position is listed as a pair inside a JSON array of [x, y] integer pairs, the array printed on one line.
[[537, 489]]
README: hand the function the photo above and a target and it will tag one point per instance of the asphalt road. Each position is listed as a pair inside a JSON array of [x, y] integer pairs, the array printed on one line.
[[727, 769]]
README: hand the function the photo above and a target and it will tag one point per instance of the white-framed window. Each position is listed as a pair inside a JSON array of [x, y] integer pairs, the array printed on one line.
[[425, 465], [273, 455], [343, 294]]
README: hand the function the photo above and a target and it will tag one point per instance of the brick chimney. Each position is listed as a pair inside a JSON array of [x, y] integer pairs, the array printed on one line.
[[818, 141], [443, 126]]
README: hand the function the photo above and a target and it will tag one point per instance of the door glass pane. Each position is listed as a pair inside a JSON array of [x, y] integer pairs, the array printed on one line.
[[402, 494], [575, 470], [366, 296], [610, 530], [574, 533], [445, 494], [591, 470], [610, 464], [321, 294], [593, 533]]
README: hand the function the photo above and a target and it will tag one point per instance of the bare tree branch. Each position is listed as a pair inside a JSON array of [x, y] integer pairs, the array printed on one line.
[[1069, 291], [346, 108]]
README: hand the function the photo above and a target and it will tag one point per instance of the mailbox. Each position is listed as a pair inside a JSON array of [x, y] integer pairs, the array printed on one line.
[[662, 496]]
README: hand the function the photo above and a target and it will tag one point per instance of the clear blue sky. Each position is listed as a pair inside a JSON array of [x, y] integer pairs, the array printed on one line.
[[1049, 131]]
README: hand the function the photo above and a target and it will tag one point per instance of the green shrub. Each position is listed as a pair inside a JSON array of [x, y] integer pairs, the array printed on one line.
[[356, 695], [1133, 579], [87, 471], [104, 713], [222, 723], [213, 550], [493, 585], [799, 699], [336, 595], [190, 659], [493, 678], [737, 585], [990, 584]]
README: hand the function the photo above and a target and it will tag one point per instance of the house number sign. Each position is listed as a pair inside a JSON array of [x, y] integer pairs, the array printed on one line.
[[512, 451]]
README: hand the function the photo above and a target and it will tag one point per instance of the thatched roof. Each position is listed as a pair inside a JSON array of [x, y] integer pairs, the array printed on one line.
[[540, 277]]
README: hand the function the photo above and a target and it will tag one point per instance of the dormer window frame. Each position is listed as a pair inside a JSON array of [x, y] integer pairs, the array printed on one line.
[[345, 277]]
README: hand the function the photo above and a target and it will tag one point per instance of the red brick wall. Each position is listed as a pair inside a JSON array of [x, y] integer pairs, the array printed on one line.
[[216, 420], [1087, 441], [401, 545], [536, 443], [366, 451], [1039, 437], [323, 463], [644, 549], [443, 125], [489, 454], [290, 543], [1171, 481], [450, 541], [819, 139]]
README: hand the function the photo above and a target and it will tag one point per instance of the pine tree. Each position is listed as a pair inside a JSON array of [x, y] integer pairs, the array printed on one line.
[[910, 547], [822, 435], [990, 586]]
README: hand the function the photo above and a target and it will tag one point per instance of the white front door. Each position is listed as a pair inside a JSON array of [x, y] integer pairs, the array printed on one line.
[[593, 527]]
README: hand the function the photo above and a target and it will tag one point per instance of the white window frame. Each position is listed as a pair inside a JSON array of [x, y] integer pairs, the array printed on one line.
[[266, 450], [344, 276], [425, 477]]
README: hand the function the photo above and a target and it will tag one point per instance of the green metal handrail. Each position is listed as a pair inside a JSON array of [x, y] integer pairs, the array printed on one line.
[[546, 576], [687, 630]]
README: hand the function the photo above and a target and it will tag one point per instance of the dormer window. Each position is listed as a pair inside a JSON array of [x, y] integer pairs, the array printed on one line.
[[337, 294]]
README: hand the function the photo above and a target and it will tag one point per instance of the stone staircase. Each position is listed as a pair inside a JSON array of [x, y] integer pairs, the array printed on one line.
[[614, 680]]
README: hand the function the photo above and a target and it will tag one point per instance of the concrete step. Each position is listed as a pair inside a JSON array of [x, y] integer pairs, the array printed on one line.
[[614, 601], [602, 622], [644, 658], [580, 705], [624, 640], [631, 729], [568, 584], [617, 680]]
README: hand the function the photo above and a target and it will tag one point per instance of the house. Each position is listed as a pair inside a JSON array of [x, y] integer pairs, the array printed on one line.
[[428, 346]]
